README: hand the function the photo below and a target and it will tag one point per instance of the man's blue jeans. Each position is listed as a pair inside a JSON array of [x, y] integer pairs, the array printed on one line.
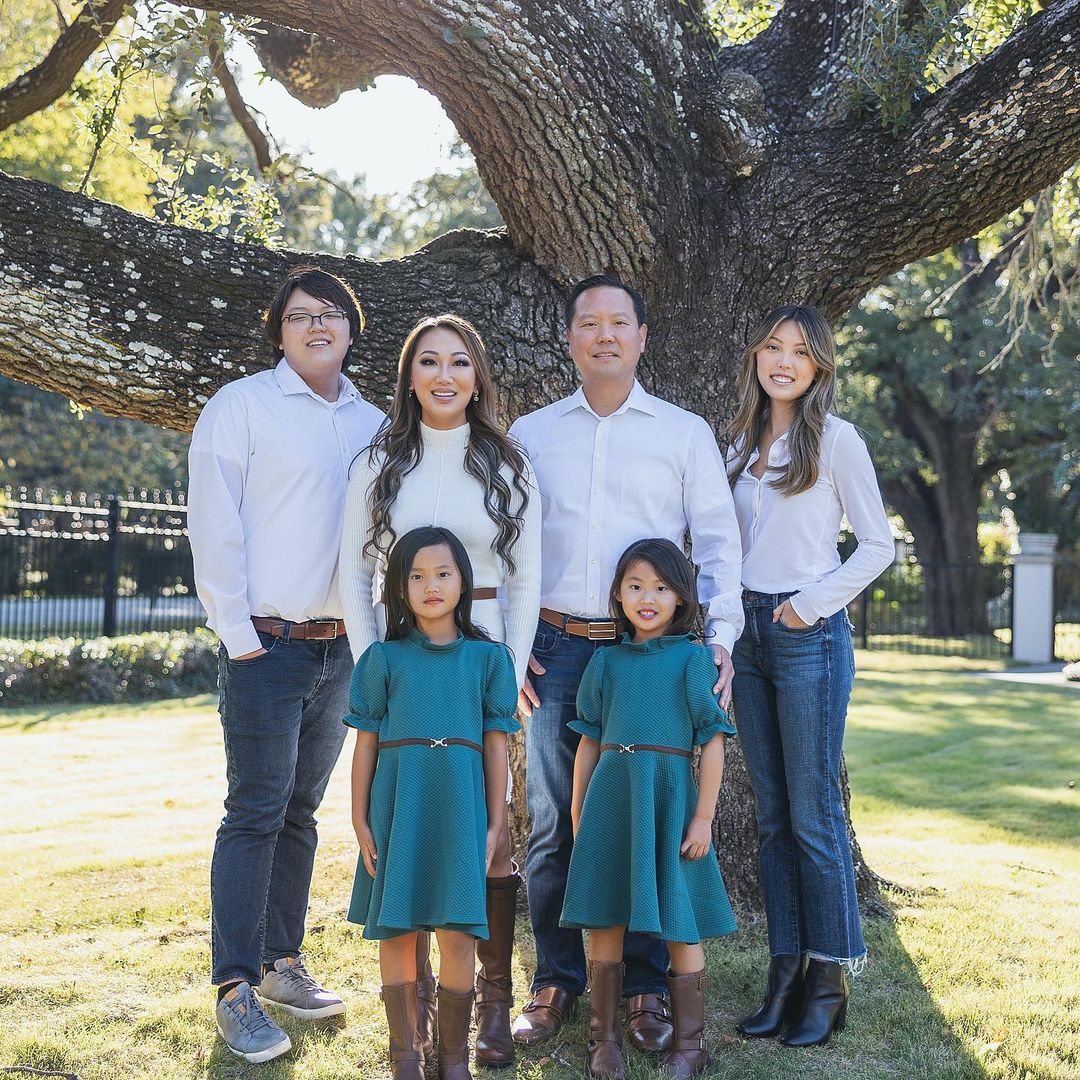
[[791, 694], [550, 747], [281, 715]]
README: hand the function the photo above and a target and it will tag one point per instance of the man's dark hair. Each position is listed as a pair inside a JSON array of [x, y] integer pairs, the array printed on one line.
[[323, 286], [602, 281]]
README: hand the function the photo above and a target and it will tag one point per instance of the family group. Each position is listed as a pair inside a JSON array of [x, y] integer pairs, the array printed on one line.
[[436, 580]]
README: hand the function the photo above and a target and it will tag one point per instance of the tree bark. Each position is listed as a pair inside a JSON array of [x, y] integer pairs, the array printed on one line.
[[612, 137]]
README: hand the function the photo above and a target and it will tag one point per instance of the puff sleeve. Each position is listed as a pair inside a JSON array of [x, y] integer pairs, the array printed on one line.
[[367, 691], [706, 716], [590, 699], [500, 691]]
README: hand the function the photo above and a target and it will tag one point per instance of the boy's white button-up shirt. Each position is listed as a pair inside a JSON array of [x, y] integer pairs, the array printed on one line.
[[268, 467], [789, 541], [650, 469]]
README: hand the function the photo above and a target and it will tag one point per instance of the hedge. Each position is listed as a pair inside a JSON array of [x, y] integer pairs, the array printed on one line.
[[134, 668]]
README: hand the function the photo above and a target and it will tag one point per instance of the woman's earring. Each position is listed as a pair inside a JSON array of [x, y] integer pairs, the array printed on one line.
[[411, 391], [476, 395]]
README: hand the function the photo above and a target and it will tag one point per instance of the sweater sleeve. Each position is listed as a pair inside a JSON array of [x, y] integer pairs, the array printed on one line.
[[367, 691], [523, 586], [356, 570]]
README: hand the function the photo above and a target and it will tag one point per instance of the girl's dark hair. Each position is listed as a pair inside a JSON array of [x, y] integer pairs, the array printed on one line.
[[399, 445], [400, 621], [323, 286], [674, 569]]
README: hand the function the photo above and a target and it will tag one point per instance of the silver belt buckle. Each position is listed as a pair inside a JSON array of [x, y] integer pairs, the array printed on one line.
[[626, 749], [437, 742], [598, 633], [333, 623]]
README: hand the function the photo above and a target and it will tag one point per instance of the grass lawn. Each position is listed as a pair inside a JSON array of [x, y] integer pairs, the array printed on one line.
[[960, 797]]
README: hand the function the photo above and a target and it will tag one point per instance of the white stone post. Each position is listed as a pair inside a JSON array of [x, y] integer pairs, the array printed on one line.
[[1033, 598]]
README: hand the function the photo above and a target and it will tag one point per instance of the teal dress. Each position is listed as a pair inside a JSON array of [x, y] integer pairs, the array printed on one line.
[[427, 810], [626, 869]]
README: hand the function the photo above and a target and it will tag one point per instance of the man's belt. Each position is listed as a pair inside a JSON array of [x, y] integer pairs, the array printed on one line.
[[578, 626], [486, 592], [633, 748], [393, 744], [315, 630]]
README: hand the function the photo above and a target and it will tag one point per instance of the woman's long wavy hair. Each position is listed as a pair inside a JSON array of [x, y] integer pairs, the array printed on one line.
[[399, 446], [400, 619], [808, 426]]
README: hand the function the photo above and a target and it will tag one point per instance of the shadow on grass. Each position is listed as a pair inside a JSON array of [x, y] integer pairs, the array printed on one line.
[[994, 752]]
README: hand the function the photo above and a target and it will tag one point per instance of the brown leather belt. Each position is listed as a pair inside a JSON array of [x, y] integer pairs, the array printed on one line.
[[578, 626], [393, 744], [485, 592], [634, 747], [315, 630]]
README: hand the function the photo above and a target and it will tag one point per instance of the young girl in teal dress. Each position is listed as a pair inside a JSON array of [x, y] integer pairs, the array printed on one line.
[[432, 705], [643, 858]]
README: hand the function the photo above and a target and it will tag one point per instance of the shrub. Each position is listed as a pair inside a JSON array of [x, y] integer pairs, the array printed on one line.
[[134, 668]]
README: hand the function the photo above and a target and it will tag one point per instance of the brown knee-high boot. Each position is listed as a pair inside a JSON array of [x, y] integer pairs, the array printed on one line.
[[406, 1057], [688, 1054], [427, 1015], [494, 995], [605, 1032], [455, 1014]]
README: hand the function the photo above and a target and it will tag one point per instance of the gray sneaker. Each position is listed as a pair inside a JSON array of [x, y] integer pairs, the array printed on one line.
[[289, 986], [248, 1032]]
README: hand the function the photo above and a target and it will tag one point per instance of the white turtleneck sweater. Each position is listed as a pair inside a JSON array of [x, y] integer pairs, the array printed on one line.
[[440, 492]]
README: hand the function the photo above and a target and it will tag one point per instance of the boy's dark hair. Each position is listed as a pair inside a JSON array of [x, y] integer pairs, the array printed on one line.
[[674, 569], [603, 281], [400, 621], [323, 286]]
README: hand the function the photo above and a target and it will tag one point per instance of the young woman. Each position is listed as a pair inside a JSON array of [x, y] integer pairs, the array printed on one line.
[[796, 469], [442, 459], [417, 870]]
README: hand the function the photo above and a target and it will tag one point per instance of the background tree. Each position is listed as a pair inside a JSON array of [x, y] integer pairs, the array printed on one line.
[[821, 150]]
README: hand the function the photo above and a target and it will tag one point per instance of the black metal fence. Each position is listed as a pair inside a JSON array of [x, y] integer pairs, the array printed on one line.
[[78, 565], [1067, 608], [940, 609]]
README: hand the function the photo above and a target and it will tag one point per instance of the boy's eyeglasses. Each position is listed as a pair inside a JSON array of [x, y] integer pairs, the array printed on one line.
[[301, 320]]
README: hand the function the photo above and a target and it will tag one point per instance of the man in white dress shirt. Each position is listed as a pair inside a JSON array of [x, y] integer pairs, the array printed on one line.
[[269, 463], [613, 465]]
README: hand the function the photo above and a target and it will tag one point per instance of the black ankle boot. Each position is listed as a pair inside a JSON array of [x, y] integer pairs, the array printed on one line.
[[783, 999], [824, 1005]]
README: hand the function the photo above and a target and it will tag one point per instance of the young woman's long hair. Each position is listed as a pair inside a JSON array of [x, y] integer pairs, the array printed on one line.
[[808, 426], [400, 620], [674, 570], [399, 446]]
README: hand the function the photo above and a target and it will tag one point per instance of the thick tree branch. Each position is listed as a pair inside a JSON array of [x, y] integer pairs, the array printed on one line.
[[145, 320], [51, 79]]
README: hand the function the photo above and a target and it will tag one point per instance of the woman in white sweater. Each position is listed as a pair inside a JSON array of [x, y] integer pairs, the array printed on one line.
[[442, 459]]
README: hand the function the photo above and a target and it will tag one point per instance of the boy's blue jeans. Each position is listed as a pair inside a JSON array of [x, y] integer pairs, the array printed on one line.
[[550, 747], [281, 716], [791, 694]]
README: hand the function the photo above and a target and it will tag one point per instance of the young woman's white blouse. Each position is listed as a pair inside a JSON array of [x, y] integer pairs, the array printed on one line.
[[789, 541]]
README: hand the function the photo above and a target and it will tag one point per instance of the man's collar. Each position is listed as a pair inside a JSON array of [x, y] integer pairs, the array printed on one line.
[[637, 399], [290, 382]]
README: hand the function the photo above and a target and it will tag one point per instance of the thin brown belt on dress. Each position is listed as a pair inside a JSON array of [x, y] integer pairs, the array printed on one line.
[[485, 592], [579, 626], [393, 744], [634, 747], [315, 630]]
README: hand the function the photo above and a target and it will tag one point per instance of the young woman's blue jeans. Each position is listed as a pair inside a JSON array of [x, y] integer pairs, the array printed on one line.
[[281, 715], [791, 694], [550, 747]]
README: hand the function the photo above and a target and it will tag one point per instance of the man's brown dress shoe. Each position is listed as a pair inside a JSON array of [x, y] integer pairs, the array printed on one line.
[[544, 1015]]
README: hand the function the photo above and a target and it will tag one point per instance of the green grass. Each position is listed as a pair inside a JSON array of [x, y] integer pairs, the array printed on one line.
[[960, 797]]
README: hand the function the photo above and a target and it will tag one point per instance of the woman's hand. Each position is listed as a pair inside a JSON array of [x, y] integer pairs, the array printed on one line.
[[367, 845], [698, 837], [786, 614]]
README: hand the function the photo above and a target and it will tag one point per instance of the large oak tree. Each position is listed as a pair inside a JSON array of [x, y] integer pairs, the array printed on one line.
[[612, 136]]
